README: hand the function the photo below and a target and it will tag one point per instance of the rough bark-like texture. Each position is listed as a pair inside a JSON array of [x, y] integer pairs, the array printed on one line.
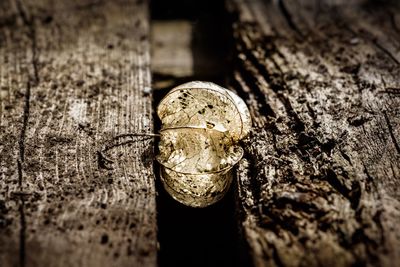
[[320, 182], [74, 75]]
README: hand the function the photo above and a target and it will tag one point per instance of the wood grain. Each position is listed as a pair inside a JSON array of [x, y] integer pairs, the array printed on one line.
[[74, 75], [319, 185]]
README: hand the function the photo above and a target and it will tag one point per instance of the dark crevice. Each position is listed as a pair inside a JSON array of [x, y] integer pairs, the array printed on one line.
[[277, 258], [21, 141], [345, 156], [370, 179], [386, 51], [254, 174], [243, 247], [21, 209], [275, 77], [29, 23], [353, 195], [22, 235], [249, 79], [394, 24], [197, 236], [32, 81], [390, 128], [288, 18], [298, 125], [247, 66]]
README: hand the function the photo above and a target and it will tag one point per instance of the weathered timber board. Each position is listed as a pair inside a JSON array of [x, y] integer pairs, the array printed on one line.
[[73, 75], [320, 182]]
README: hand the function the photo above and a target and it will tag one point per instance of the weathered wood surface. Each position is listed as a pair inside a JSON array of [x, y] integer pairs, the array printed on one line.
[[73, 75], [320, 182], [171, 48]]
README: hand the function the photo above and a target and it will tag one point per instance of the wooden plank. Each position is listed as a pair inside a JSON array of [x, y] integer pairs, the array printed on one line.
[[74, 75], [14, 78], [319, 185], [171, 50]]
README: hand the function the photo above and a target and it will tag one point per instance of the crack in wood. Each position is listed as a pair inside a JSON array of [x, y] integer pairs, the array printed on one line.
[[288, 18], [29, 23], [32, 35], [386, 51], [276, 82], [390, 128], [394, 24]]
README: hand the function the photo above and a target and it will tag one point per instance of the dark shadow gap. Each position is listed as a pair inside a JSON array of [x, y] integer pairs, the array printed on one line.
[[192, 236]]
